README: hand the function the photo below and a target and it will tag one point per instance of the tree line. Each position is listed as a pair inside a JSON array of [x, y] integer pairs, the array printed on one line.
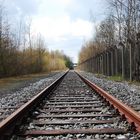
[[115, 49], [22, 52]]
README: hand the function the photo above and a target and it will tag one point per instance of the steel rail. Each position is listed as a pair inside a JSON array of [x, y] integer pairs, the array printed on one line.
[[6, 126], [125, 111]]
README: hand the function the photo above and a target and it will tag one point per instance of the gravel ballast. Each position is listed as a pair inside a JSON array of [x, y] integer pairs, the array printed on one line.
[[128, 94], [73, 87], [16, 98]]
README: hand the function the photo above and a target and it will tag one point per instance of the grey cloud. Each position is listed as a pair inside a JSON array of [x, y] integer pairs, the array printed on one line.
[[26, 7], [83, 8], [67, 46]]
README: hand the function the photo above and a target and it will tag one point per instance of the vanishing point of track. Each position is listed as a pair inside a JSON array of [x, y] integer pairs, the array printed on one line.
[[69, 109]]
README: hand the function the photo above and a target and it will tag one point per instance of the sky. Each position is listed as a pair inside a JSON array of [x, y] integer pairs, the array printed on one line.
[[65, 24]]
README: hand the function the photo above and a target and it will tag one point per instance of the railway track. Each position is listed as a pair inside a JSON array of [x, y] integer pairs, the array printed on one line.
[[128, 94], [69, 109], [15, 99]]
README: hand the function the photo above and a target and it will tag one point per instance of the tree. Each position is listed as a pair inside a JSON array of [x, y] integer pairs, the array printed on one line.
[[68, 62]]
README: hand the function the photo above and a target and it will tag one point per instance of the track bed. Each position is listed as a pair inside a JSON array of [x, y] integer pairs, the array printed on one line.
[[74, 111]]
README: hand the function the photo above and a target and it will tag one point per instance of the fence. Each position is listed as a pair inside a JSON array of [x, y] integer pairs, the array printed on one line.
[[114, 61]]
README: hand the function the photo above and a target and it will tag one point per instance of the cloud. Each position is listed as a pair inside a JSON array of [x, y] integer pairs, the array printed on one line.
[[84, 8], [59, 28], [22, 7], [54, 8], [62, 27], [63, 33], [81, 27], [71, 46]]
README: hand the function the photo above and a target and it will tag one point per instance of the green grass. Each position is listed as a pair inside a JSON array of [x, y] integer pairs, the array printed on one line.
[[98, 75], [117, 78]]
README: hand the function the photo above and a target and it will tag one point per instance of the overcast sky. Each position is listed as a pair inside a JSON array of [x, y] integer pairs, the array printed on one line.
[[65, 24]]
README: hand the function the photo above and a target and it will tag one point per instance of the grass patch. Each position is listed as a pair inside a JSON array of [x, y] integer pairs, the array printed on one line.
[[11, 81], [115, 78], [4, 82]]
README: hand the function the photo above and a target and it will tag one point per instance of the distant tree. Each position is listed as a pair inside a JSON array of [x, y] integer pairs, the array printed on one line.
[[68, 62]]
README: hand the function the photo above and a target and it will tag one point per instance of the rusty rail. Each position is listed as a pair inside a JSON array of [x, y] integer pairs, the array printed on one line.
[[125, 111], [7, 125]]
